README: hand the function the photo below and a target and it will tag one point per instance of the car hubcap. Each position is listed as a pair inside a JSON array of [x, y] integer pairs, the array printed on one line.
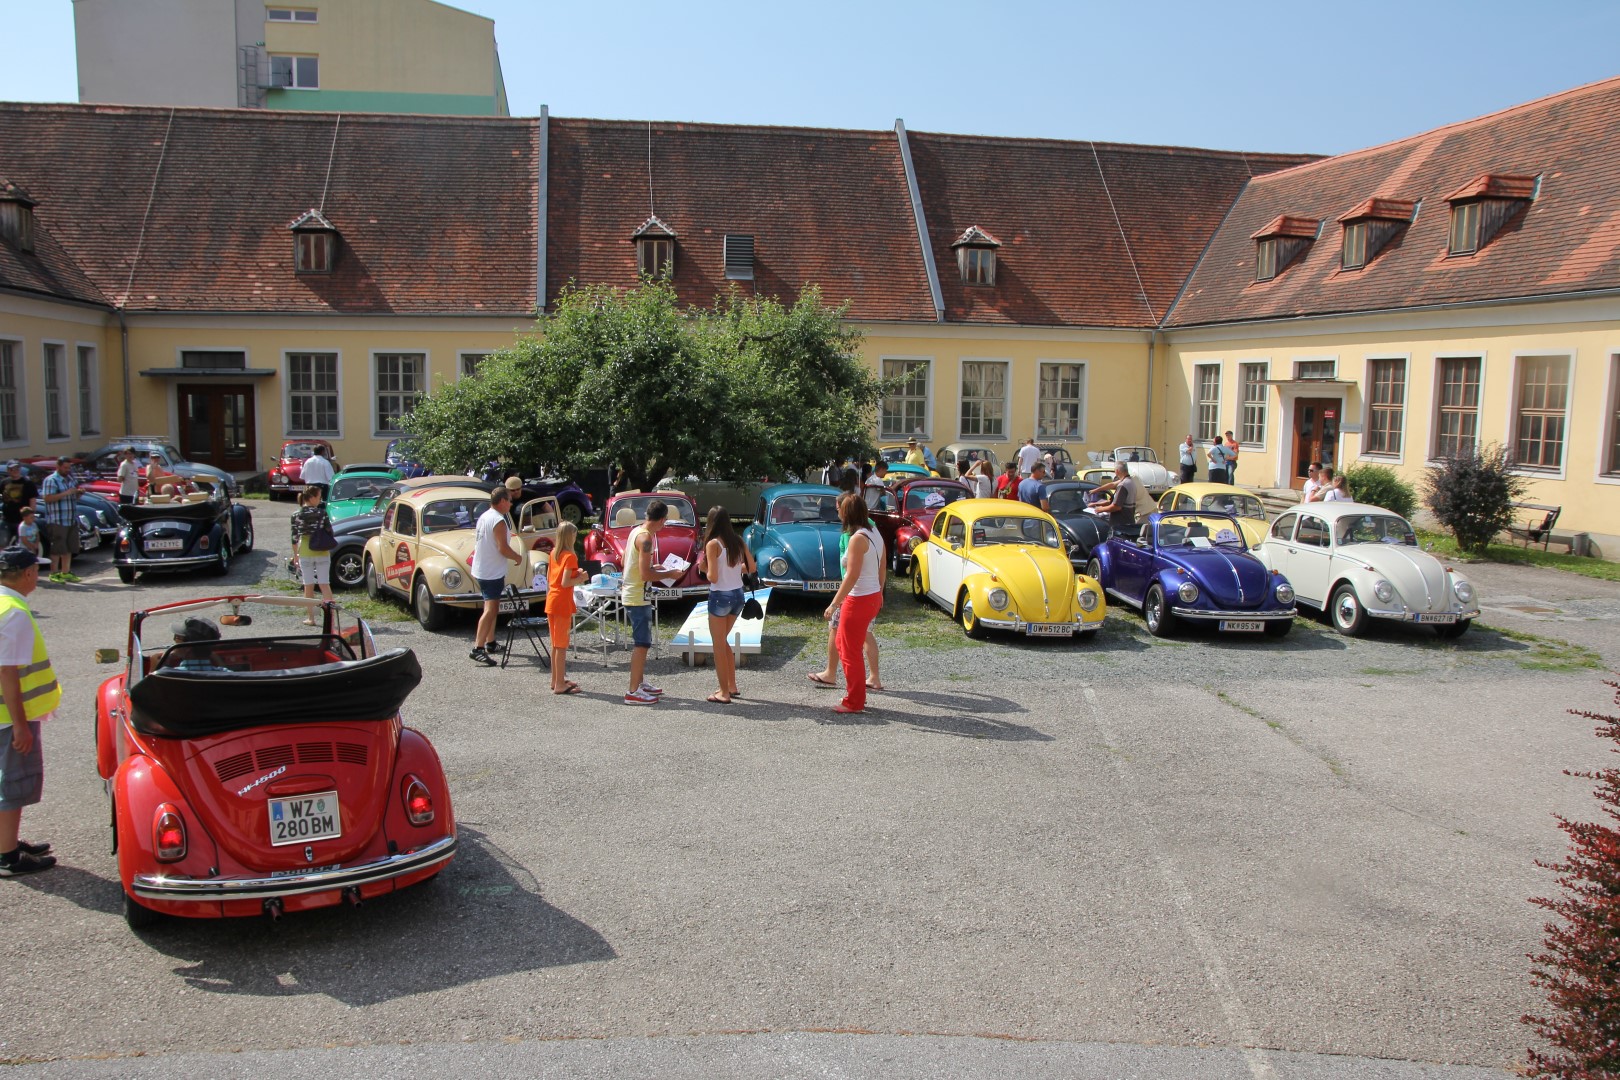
[[1153, 611], [424, 603], [348, 569], [1347, 609], [967, 614]]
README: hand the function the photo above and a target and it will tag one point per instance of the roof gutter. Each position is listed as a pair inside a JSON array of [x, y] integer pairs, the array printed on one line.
[[922, 221]]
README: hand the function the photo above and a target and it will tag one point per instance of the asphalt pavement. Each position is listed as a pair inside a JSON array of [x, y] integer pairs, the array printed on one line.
[[1123, 857]]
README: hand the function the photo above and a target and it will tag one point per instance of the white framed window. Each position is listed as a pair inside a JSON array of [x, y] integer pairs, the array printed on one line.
[[1060, 400], [1386, 407], [292, 15], [295, 72], [905, 412], [1354, 255], [314, 401], [11, 392], [468, 363], [89, 373], [398, 381], [978, 265], [1610, 465], [1207, 401], [1252, 424], [1316, 369], [1456, 410], [1540, 412], [984, 399], [56, 391]]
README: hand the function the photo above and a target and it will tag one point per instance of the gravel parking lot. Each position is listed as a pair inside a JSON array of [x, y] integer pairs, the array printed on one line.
[[1241, 854]]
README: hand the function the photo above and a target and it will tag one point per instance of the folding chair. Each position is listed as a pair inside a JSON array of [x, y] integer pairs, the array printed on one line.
[[529, 625]]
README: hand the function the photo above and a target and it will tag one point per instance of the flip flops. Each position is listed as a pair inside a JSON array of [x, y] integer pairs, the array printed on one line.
[[571, 688], [815, 677], [717, 699]]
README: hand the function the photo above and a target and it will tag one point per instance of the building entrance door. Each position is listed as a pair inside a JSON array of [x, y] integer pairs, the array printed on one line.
[[216, 425], [1316, 436]]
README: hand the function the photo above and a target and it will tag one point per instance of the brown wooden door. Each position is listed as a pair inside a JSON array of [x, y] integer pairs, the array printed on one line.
[[1316, 436], [216, 426]]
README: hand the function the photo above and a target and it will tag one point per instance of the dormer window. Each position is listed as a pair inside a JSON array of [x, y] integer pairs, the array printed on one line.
[[314, 243], [655, 248], [1284, 239], [1482, 206], [16, 216], [1370, 226], [976, 256]]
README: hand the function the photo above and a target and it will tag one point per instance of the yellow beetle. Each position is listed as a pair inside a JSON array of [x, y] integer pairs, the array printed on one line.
[[1000, 565], [1221, 499]]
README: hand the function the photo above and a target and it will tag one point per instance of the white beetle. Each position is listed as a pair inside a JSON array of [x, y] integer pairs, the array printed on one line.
[[1141, 462]]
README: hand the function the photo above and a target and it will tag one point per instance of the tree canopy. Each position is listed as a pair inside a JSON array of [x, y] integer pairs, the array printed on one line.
[[746, 390]]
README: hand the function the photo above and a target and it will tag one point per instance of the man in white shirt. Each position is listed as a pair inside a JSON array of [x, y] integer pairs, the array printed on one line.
[[1189, 461], [30, 693], [318, 471], [129, 477], [1313, 482], [1028, 455], [879, 477], [492, 549]]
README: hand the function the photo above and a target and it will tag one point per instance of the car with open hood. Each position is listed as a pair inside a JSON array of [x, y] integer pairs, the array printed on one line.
[[1243, 506], [607, 540], [1194, 568], [265, 771], [1358, 562], [204, 528], [995, 564], [905, 513], [1141, 462], [287, 474], [794, 538]]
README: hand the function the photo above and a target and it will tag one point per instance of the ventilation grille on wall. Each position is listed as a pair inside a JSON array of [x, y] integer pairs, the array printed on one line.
[[739, 257]]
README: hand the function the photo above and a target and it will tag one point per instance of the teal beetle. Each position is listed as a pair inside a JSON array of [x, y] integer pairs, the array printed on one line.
[[794, 538]]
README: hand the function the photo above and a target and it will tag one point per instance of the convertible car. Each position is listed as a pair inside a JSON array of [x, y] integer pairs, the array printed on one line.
[[1194, 567], [605, 542], [904, 514], [183, 532], [1226, 499], [287, 475], [266, 774], [794, 538], [1000, 565], [1142, 463], [1082, 531], [1358, 562], [103, 462]]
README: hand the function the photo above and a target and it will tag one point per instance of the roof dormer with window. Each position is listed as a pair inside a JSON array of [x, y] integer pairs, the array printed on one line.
[[655, 248], [976, 256], [1481, 207], [16, 216], [1281, 242], [1370, 226], [314, 243]]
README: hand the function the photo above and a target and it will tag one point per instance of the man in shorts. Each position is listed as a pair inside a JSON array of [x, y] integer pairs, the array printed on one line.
[[638, 571], [29, 695], [59, 497], [492, 549]]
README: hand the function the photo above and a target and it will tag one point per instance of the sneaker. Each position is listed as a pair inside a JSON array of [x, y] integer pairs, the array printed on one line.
[[640, 697], [651, 690], [481, 657], [56, 577], [495, 647], [33, 849], [23, 862], [70, 577]]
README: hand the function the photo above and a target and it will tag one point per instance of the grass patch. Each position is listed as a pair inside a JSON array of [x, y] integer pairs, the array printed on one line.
[[256, 496], [1444, 546], [1549, 654], [355, 603], [1387, 671]]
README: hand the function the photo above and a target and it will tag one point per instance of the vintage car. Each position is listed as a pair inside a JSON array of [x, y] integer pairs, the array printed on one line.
[[183, 532], [1094, 474], [265, 774], [423, 551], [904, 513], [103, 462], [605, 543], [1358, 562], [287, 474], [349, 557], [902, 470], [1142, 462], [1226, 499], [740, 498], [401, 455], [896, 453], [957, 457], [1082, 531], [355, 490], [794, 538], [995, 564], [99, 521], [1195, 568], [572, 502]]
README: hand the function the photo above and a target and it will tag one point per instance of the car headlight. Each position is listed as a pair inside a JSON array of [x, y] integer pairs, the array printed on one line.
[[452, 578], [778, 567], [1383, 590], [998, 599], [1464, 591], [1188, 592], [1088, 599], [1285, 593]]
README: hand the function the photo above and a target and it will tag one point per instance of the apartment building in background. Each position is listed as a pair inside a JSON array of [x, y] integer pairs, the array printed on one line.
[[375, 56]]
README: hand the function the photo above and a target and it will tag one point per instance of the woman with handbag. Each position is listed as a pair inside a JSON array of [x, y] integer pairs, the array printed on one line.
[[724, 560], [858, 599], [313, 541]]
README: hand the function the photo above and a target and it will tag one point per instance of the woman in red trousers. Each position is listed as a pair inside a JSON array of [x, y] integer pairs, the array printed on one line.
[[858, 599]]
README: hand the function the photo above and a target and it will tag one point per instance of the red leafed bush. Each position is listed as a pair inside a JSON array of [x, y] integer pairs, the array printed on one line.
[[1579, 967]]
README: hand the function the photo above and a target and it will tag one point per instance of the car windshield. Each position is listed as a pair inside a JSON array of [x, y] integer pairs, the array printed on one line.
[[1237, 505], [1014, 529], [358, 487], [1068, 500], [787, 509], [1199, 532], [1375, 529], [299, 451], [680, 511], [933, 496], [448, 515], [1135, 453]]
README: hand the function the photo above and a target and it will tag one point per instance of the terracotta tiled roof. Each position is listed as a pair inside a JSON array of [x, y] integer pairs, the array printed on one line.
[[1304, 228], [1567, 240], [436, 214], [48, 270], [1381, 209], [1062, 260], [1488, 186], [824, 207]]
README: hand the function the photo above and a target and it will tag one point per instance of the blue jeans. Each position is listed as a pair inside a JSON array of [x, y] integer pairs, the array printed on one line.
[[724, 603], [491, 588]]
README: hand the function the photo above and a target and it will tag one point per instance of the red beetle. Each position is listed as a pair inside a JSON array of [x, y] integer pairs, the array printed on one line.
[[679, 537], [268, 773], [287, 476], [904, 514]]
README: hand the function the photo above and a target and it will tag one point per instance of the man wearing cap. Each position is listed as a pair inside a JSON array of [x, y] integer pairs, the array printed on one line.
[[16, 492], [29, 695], [60, 496], [914, 454], [195, 629]]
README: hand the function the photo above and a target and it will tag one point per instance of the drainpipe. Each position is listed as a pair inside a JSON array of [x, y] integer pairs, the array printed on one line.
[[1147, 421], [123, 337]]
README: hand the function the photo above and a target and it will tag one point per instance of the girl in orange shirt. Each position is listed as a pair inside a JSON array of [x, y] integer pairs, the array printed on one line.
[[561, 577]]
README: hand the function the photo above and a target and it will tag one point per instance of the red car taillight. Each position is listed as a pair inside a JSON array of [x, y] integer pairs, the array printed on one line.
[[168, 834], [418, 803]]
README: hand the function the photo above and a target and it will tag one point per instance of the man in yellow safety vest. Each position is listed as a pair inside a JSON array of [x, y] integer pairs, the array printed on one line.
[[29, 693]]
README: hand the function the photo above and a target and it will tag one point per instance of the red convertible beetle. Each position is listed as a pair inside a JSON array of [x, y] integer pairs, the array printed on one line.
[[265, 774], [904, 514], [679, 536]]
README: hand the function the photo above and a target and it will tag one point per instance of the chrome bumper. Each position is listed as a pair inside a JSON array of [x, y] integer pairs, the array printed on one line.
[[531, 595], [144, 563], [1202, 613], [795, 585], [1408, 615], [672, 593], [1022, 627], [213, 890]]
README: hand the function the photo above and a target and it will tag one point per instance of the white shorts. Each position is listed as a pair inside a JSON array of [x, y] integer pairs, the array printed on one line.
[[315, 569]]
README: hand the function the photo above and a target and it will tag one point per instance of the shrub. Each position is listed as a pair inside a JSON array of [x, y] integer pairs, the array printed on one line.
[[1579, 967], [1378, 485], [1473, 496]]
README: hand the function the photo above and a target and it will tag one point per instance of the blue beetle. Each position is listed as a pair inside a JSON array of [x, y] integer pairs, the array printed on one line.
[[794, 538]]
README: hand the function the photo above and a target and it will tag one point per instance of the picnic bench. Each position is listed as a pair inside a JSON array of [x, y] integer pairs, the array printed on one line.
[[1539, 527], [694, 642]]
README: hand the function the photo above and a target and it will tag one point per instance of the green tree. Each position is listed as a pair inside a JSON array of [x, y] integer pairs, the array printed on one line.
[[1473, 496], [1378, 485]]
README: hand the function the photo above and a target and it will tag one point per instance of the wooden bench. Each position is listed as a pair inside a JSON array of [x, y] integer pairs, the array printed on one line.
[[1539, 525]]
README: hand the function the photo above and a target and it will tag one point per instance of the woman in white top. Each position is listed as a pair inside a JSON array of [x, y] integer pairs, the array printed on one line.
[[1335, 491], [983, 484], [724, 560], [859, 597]]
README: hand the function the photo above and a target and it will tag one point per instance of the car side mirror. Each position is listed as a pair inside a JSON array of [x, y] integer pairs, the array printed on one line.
[[106, 656]]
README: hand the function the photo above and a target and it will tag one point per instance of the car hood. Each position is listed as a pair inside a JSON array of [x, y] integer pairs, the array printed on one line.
[[1419, 577], [1039, 579], [1232, 580], [343, 509], [359, 524], [811, 550]]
